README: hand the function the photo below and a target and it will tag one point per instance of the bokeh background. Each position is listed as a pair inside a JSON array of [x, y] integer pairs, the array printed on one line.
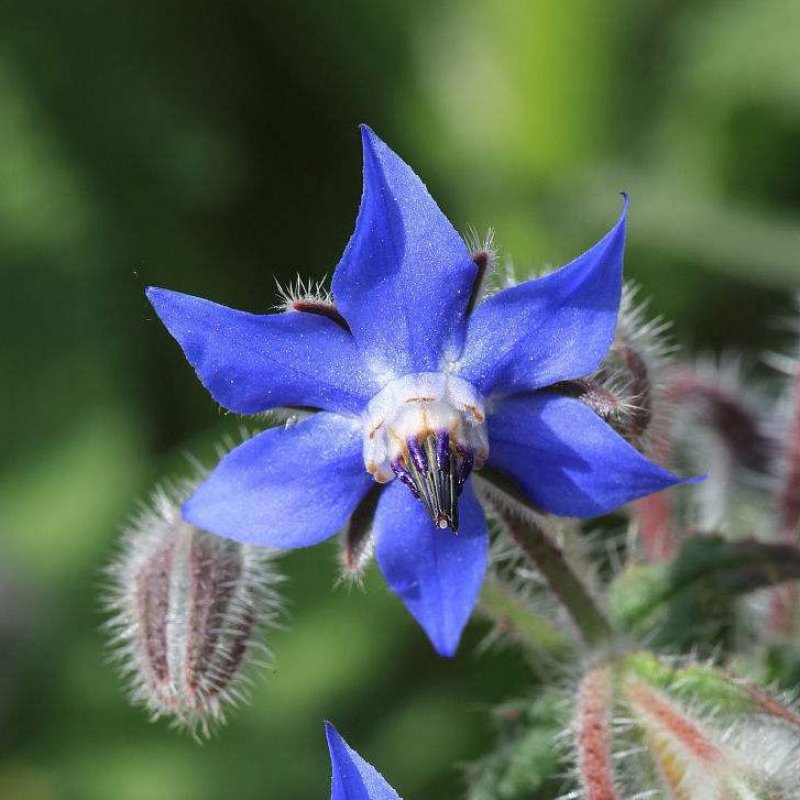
[[212, 147]]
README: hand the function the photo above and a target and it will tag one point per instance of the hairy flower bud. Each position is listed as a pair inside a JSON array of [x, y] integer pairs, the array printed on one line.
[[188, 608], [684, 731], [624, 390]]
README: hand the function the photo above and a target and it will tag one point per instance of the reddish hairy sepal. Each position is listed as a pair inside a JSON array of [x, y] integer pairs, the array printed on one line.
[[320, 309], [356, 545], [308, 297]]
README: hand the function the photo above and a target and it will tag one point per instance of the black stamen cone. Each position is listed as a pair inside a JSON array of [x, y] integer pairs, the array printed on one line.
[[435, 471]]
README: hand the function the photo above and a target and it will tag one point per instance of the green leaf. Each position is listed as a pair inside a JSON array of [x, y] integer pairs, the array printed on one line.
[[691, 599], [525, 762]]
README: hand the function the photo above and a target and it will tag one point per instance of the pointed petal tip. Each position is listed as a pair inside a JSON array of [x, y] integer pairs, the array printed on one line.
[[187, 511], [671, 479], [354, 778], [623, 214], [152, 293], [370, 140], [438, 576], [444, 648], [444, 639], [159, 298], [332, 736]]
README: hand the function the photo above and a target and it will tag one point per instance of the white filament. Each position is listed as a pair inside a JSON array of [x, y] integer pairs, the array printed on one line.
[[416, 405]]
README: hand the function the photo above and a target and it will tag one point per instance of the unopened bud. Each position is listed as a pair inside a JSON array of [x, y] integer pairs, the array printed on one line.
[[645, 726], [188, 610]]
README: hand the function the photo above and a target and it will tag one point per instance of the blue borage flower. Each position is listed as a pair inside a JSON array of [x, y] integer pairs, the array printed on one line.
[[353, 778], [415, 386]]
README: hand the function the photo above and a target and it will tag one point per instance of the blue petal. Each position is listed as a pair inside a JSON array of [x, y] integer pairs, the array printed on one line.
[[287, 487], [253, 362], [566, 459], [437, 573], [405, 278], [549, 329], [353, 778]]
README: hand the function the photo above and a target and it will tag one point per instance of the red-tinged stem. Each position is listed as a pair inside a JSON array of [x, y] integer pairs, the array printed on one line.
[[595, 761]]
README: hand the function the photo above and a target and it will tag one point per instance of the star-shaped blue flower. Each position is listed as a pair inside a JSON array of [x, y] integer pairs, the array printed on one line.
[[353, 778], [416, 386]]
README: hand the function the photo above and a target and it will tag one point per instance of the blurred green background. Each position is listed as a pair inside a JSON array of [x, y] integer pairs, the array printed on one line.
[[210, 147]]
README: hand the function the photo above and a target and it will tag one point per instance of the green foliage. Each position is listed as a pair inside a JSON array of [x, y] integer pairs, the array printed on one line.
[[527, 757], [689, 601]]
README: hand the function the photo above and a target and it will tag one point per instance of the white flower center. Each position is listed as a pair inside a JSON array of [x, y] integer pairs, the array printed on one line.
[[429, 430]]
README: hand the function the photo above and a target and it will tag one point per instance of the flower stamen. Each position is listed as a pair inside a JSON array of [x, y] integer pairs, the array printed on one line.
[[428, 430], [435, 471]]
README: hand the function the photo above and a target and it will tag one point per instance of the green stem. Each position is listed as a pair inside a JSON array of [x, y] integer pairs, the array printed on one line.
[[549, 560], [503, 606]]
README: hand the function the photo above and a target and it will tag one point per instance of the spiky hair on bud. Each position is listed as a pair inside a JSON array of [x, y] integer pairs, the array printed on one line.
[[300, 291], [188, 611], [625, 389], [648, 333], [593, 735], [484, 255], [309, 297], [678, 729], [482, 248], [635, 367]]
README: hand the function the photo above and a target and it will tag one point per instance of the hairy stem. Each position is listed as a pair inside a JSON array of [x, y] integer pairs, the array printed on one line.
[[547, 557], [499, 603]]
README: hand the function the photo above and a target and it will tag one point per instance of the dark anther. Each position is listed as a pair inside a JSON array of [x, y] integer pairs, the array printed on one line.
[[435, 470]]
